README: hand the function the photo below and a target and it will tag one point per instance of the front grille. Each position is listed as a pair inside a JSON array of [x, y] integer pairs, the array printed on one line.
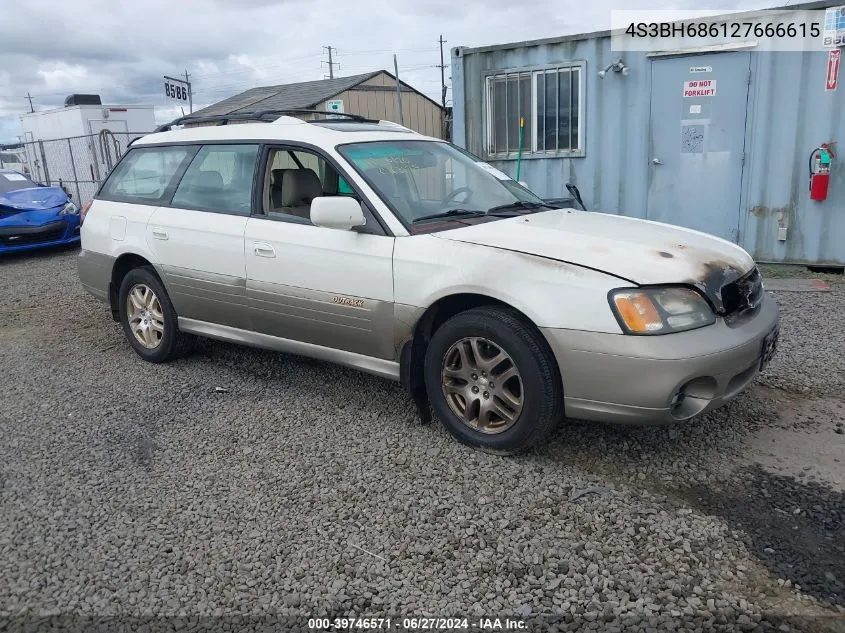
[[23, 235], [744, 294]]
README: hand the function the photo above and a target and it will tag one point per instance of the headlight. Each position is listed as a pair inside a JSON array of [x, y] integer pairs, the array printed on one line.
[[660, 310], [69, 209]]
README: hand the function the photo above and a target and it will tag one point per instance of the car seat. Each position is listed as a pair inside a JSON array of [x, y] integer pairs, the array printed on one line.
[[299, 188]]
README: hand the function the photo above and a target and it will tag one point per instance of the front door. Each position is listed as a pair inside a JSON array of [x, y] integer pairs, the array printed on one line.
[[323, 286], [698, 108]]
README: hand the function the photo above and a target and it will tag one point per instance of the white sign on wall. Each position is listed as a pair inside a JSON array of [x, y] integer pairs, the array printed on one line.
[[334, 105], [700, 88], [701, 69]]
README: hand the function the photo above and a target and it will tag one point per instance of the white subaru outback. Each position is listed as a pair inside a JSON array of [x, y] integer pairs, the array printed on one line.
[[363, 243]]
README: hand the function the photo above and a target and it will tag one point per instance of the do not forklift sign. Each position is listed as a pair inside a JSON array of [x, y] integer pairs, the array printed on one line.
[[701, 88], [834, 60]]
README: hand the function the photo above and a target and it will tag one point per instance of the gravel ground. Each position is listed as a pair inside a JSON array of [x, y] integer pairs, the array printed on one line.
[[239, 483]]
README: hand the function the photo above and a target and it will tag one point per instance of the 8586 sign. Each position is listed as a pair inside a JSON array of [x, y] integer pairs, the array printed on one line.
[[175, 91]]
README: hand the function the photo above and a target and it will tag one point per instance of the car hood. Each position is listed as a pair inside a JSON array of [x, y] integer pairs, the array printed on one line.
[[639, 251], [32, 199]]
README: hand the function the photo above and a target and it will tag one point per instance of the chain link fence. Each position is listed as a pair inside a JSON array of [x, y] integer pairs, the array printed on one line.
[[77, 163]]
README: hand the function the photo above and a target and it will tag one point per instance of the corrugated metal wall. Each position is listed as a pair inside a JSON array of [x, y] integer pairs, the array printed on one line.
[[789, 114]]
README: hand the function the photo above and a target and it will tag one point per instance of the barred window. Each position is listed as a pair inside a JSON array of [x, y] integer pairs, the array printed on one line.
[[549, 100], [509, 98]]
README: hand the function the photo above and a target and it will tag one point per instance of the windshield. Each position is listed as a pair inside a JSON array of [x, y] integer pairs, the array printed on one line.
[[12, 181], [418, 179]]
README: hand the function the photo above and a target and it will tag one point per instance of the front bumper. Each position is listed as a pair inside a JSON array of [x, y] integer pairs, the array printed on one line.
[[659, 379], [15, 239]]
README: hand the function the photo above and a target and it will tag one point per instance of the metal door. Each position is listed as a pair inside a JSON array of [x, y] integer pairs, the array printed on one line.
[[698, 108]]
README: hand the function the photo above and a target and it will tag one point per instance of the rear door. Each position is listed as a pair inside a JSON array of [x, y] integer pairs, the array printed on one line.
[[198, 238]]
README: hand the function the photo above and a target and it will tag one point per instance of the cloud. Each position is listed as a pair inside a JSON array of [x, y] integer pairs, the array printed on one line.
[[121, 50]]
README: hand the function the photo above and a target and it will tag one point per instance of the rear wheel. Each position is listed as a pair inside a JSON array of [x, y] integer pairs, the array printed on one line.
[[493, 381], [148, 318]]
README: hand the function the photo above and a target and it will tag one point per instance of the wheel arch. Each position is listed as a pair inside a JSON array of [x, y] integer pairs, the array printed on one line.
[[412, 352], [122, 265]]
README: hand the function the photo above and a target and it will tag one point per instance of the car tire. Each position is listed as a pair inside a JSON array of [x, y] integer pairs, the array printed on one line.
[[464, 358], [148, 318]]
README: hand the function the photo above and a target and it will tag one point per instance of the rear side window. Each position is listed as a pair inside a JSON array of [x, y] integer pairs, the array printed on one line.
[[145, 173], [219, 179]]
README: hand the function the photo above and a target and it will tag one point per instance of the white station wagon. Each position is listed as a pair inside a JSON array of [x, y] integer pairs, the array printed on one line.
[[363, 243]]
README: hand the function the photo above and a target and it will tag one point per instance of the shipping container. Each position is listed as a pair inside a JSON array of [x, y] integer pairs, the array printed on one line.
[[715, 138]]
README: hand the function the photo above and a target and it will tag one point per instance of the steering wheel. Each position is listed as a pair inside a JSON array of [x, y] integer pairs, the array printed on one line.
[[454, 194]]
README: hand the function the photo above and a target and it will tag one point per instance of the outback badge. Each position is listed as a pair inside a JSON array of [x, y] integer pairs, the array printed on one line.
[[348, 301]]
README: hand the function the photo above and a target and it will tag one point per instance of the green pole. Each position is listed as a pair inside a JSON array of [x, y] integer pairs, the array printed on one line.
[[519, 155]]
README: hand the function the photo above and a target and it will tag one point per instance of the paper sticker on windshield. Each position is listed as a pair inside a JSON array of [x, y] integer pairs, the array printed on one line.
[[14, 177], [492, 170]]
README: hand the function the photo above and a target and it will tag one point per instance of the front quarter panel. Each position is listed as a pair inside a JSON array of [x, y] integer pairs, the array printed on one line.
[[550, 293]]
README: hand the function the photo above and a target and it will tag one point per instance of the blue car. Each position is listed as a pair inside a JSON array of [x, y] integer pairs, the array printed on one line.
[[34, 216]]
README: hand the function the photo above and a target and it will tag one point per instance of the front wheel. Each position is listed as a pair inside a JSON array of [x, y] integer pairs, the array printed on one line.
[[493, 381], [148, 318]]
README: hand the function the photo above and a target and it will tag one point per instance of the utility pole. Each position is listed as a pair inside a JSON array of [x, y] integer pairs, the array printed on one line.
[[442, 67], [190, 93], [331, 63], [29, 96], [398, 90]]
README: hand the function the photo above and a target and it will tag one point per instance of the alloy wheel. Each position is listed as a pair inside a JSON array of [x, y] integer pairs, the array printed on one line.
[[146, 319], [482, 385]]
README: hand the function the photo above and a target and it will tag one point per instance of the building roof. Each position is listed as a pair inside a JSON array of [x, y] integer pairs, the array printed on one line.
[[303, 95]]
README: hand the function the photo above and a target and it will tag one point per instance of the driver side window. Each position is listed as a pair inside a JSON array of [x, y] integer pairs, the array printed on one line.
[[294, 178]]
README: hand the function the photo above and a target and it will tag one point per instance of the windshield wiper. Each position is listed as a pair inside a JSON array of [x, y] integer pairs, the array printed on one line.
[[519, 205], [451, 213]]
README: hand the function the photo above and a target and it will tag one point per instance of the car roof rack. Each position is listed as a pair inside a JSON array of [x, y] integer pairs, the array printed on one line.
[[261, 115]]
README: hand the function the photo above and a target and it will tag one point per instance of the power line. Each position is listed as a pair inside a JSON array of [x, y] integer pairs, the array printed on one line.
[[281, 63], [285, 61], [246, 69]]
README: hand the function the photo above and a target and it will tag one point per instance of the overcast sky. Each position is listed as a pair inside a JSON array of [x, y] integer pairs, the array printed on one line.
[[121, 48]]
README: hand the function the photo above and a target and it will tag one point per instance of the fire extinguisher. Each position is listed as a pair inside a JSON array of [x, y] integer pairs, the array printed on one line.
[[820, 172]]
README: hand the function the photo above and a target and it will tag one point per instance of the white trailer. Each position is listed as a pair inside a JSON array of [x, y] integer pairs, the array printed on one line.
[[77, 145]]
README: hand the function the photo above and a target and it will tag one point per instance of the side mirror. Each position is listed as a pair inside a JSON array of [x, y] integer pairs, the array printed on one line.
[[337, 212], [573, 191]]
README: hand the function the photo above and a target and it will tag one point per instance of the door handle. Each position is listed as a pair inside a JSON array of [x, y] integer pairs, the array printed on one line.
[[160, 234], [656, 161], [263, 249]]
